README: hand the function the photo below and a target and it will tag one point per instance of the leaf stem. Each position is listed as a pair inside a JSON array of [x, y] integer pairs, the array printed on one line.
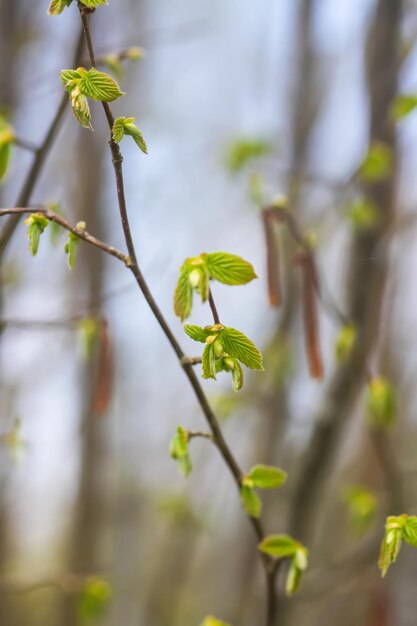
[[213, 308]]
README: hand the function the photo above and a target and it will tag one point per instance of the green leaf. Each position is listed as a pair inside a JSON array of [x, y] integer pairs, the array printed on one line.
[[229, 269], [114, 64], [68, 77], [237, 345], [404, 104], [71, 246], [118, 129], [93, 600], [363, 214], [80, 108], [55, 229], [36, 223], [251, 501], [377, 165], [6, 139], [267, 477], [98, 85], [178, 448], [93, 4], [5, 153], [410, 530], [89, 332], [382, 402], [183, 296], [279, 546], [209, 620], [362, 505], [209, 362], [196, 332], [297, 567], [243, 151], [390, 549], [133, 131], [237, 376], [57, 6], [345, 342]]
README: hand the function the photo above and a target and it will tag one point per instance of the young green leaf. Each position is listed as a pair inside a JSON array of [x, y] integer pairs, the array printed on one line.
[[36, 223], [267, 477], [93, 4], [404, 104], [391, 543], [209, 362], [89, 331], [178, 449], [126, 126], [229, 269], [345, 342], [243, 151], [410, 530], [196, 332], [71, 246], [93, 600], [57, 6], [183, 296], [377, 164], [6, 139], [279, 546], [251, 501], [209, 620], [98, 85], [363, 214], [237, 376], [382, 402], [298, 565], [237, 345], [362, 506], [80, 108]]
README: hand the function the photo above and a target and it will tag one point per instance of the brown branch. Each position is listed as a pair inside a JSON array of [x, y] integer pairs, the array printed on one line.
[[213, 308], [117, 160], [39, 160]]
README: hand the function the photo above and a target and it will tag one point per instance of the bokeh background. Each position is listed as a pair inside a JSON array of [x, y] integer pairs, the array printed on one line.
[[95, 493]]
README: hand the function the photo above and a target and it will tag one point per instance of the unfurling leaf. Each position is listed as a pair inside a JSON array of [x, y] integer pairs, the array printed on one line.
[[196, 332], [36, 223], [284, 546], [237, 345], [363, 214], [382, 402], [183, 296], [178, 450], [126, 126], [93, 600], [57, 6], [245, 150], [89, 332], [237, 376], [362, 505], [229, 269], [209, 362], [71, 246], [345, 342], [212, 621], [251, 501], [266, 477], [377, 165], [93, 4], [404, 104], [6, 139]]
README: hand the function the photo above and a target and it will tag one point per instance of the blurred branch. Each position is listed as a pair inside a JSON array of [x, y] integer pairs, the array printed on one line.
[[39, 160], [67, 582]]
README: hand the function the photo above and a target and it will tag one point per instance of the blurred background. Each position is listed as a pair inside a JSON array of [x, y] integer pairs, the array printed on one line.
[[239, 102]]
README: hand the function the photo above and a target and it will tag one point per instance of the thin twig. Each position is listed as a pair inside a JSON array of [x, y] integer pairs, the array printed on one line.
[[117, 159], [213, 308], [82, 234]]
